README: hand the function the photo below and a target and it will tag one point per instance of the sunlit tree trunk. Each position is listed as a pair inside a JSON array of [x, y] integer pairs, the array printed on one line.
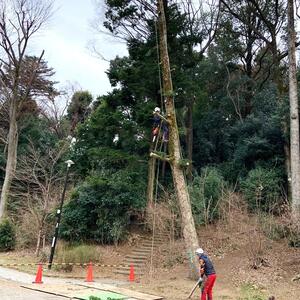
[[294, 114], [187, 221]]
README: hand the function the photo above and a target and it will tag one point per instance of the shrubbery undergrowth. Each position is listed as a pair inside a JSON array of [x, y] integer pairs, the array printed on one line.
[[261, 188], [206, 192], [7, 235]]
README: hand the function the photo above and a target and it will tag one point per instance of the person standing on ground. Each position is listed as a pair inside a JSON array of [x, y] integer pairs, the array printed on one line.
[[206, 269]]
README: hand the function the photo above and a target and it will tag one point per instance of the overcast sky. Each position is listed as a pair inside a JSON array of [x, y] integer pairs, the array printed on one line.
[[65, 41]]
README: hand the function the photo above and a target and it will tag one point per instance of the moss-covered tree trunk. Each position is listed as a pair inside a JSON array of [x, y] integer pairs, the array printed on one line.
[[187, 221]]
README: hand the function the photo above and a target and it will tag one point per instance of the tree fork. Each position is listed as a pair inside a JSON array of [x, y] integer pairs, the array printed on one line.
[[187, 220]]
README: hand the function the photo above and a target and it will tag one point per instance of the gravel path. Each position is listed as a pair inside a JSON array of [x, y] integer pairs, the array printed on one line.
[[11, 281], [10, 290]]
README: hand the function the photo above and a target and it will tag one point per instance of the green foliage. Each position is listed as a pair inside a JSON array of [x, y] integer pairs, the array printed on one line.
[[206, 192], [251, 292], [261, 188], [101, 207], [78, 109], [79, 103], [184, 163], [37, 131], [97, 298], [7, 235], [96, 149], [238, 146]]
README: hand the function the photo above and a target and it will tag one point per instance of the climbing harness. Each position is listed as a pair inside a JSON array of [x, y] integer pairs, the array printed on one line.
[[159, 123]]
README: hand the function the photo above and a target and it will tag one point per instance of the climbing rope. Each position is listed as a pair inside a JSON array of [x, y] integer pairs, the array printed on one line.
[[154, 216], [155, 148]]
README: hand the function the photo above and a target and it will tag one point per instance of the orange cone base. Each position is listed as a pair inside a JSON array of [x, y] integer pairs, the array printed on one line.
[[39, 274], [131, 274], [89, 275]]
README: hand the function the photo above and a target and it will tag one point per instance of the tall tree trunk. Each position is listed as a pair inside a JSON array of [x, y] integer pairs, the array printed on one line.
[[187, 221], [11, 161], [294, 114]]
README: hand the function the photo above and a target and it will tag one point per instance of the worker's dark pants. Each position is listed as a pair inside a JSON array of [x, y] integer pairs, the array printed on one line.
[[208, 286]]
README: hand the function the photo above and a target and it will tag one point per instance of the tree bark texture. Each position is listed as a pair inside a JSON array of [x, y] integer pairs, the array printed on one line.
[[294, 114], [151, 180], [11, 160], [187, 220]]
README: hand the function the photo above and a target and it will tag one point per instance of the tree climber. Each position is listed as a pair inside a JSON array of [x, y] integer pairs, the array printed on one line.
[[158, 123], [206, 269]]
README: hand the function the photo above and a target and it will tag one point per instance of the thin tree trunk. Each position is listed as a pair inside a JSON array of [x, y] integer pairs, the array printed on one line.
[[44, 242], [151, 180], [189, 137], [163, 167], [38, 242], [11, 161], [294, 114], [187, 221], [287, 162]]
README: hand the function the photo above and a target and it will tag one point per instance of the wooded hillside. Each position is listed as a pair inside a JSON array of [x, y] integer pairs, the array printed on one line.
[[234, 86]]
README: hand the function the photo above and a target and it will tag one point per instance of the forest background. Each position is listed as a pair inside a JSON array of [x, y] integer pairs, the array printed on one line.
[[229, 64]]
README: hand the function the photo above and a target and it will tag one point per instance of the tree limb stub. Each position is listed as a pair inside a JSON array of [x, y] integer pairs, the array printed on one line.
[[155, 155]]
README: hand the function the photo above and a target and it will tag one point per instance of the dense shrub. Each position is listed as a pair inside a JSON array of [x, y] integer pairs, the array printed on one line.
[[101, 207], [261, 189], [272, 229], [7, 235], [206, 191]]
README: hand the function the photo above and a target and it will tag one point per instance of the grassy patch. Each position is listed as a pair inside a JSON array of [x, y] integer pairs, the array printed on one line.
[[81, 254], [250, 292]]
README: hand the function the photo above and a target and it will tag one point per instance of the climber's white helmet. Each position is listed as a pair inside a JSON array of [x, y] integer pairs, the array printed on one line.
[[157, 109], [199, 251]]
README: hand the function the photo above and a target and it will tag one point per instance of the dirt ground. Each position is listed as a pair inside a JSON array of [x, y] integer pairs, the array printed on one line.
[[249, 266]]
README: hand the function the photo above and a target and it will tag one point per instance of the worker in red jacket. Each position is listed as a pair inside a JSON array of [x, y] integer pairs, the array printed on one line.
[[206, 269]]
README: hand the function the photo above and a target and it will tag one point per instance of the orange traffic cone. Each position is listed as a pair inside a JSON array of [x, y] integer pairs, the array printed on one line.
[[39, 274], [131, 273], [89, 275]]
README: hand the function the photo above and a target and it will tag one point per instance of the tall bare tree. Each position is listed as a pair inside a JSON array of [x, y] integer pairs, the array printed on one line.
[[294, 114], [19, 21]]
